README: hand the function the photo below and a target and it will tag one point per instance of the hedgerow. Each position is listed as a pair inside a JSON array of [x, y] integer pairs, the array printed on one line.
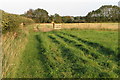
[[11, 22]]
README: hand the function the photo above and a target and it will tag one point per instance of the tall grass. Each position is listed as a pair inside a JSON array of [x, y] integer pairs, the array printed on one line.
[[96, 26]]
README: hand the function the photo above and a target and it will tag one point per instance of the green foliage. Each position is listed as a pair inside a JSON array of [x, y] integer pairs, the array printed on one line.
[[38, 15], [79, 19], [107, 13], [57, 18], [67, 19], [10, 22]]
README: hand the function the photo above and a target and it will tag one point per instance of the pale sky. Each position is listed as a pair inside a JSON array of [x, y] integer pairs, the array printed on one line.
[[62, 7]]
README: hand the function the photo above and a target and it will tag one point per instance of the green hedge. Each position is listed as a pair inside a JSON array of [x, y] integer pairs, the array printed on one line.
[[11, 22]]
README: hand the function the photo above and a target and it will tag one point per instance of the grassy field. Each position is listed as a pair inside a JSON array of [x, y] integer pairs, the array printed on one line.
[[70, 54]]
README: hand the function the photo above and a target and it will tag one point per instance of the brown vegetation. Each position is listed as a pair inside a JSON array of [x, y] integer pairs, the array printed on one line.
[[97, 26]]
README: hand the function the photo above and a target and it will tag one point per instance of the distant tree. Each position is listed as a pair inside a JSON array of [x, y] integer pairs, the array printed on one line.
[[51, 18], [57, 18], [67, 19], [107, 13], [39, 15], [29, 13], [79, 19]]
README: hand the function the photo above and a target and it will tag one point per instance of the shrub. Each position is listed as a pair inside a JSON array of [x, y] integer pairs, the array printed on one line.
[[10, 22]]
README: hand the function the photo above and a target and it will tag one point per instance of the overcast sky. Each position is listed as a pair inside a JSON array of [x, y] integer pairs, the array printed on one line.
[[62, 7]]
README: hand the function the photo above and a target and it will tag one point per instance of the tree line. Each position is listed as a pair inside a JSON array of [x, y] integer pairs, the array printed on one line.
[[41, 16], [107, 13]]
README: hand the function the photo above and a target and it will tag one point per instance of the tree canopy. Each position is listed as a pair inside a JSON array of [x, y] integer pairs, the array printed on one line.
[[39, 15], [106, 13]]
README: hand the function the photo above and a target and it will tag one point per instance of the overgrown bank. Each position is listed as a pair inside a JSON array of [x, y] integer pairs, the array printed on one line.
[[12, 45], [14, 39]]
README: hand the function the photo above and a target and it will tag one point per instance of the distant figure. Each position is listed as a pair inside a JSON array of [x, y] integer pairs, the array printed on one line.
[[53, 24]]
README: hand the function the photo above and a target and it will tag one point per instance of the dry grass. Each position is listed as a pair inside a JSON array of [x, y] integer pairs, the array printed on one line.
[[12, 47], [112, 26]]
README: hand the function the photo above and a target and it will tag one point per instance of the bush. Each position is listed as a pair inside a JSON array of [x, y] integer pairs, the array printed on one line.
[[10, 22]]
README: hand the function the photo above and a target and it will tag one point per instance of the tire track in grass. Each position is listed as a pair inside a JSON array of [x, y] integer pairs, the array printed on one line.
[[78, 69], [66, 70], [64, 49], [55, 58], [44, 60], [79, 45], [86, 49], [48, 57], [69, 40], [34, 63], [104, 64], [100, 48]]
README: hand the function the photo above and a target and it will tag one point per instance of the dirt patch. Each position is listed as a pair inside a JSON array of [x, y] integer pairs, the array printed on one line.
[[45, 29]]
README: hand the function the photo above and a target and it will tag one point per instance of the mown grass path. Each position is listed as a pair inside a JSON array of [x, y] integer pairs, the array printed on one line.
[[69, 54]]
